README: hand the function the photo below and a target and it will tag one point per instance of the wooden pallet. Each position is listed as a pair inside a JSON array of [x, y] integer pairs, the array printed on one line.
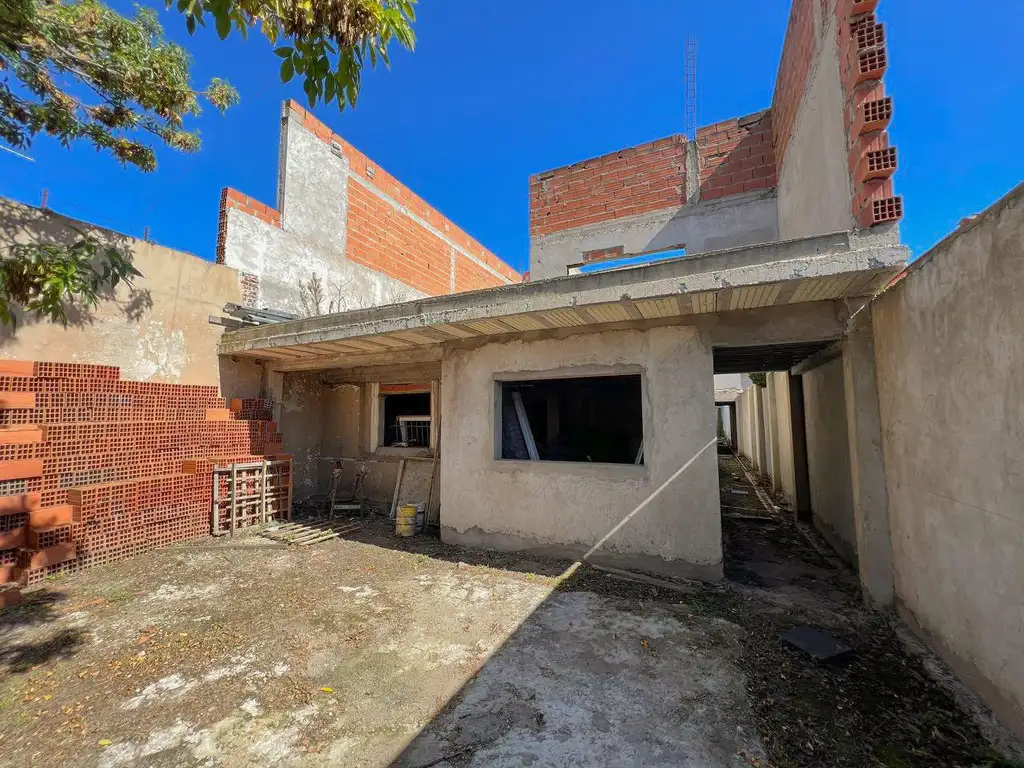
[[308, 532]]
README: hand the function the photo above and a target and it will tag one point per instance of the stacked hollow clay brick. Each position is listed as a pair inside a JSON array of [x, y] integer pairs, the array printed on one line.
[[95, 469]]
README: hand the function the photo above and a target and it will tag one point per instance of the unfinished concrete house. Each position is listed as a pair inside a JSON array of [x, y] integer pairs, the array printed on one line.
[[577, 413]]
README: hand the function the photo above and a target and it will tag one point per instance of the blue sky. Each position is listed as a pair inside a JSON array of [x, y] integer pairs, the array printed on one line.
[[496, 91]]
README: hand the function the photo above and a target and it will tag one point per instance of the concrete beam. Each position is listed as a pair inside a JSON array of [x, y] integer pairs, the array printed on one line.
[[867, 470], [831, 352], [410, 356], [826, 256]]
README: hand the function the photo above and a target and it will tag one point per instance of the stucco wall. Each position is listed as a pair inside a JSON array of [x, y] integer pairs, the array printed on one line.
[[562, 508], [814, 195], [157, 330], [302, 426], [705, 226], [950, 359], [828, 457], [783, 466]]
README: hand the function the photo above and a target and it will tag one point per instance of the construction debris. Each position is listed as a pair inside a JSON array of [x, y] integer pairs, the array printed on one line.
[[308, 532], [817, 642]]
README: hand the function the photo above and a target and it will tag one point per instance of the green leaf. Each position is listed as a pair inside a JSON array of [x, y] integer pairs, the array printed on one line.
[[287, 70], [223, 26], [284, 51]]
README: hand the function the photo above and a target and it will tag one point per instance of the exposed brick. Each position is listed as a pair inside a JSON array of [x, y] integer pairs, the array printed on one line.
[[17, 400], [794, 68], [873, 115], [863, 6], [603, 253], [878, 164], [109, 481], [641, 179], [387, 239], [736, 156], [882, 211]]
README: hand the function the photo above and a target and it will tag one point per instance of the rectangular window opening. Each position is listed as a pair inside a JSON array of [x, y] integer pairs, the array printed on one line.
[[405, 420], [596, 419], [636, 260]]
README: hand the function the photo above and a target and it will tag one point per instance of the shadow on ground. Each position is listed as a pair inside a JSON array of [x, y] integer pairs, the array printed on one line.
[[879, 707], [40, 607]]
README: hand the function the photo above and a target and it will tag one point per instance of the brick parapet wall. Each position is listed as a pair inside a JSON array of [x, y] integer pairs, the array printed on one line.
[[733, 156], [648, 177], [736, 156], [393, 230]]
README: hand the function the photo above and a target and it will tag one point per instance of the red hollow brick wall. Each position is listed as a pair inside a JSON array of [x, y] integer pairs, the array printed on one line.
[[867, 110], [394, 232], [736, 156], [390, 239], [94, 468], [797, 55], [641, 179]]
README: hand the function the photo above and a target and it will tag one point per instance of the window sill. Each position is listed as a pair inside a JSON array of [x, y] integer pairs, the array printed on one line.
[[387, 450], [574, 468]]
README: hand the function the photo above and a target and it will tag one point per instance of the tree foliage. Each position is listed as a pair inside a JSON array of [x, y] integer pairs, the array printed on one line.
[[80, 71], [47, 280], [328, 41]]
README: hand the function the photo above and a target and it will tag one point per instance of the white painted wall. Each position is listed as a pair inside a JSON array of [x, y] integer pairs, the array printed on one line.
[[566, 508]]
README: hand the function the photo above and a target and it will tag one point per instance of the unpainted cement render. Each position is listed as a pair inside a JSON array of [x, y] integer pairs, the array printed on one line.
[[783, 464], [157, 329], [814, 194], [566, 508], [828, 457], [950, 358], [733, 222], [311, 241]]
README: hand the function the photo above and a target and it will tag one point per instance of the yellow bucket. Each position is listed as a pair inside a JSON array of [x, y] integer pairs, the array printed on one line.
[[405, 520]]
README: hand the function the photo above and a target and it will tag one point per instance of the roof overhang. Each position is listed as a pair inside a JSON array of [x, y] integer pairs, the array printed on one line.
[[829, 267]]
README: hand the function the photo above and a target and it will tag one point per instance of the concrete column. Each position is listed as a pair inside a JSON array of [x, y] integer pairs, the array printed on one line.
[[801, 480], [867, 471], [760, 456], [273, 390]]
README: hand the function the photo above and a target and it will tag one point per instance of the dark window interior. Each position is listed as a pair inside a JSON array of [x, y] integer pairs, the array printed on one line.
[[416, 434], [596, 419]]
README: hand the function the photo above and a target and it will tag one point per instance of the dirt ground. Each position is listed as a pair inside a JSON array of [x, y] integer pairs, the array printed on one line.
[[376, 650]]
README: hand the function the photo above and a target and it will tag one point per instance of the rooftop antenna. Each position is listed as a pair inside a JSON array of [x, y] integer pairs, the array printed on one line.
[[691, 87]]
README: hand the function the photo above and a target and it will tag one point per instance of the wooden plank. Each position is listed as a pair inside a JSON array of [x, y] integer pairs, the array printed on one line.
[[234, 493], [263, 493], [216, 504], [324, 537], [291, 477], [524, 425], [398, 488]]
